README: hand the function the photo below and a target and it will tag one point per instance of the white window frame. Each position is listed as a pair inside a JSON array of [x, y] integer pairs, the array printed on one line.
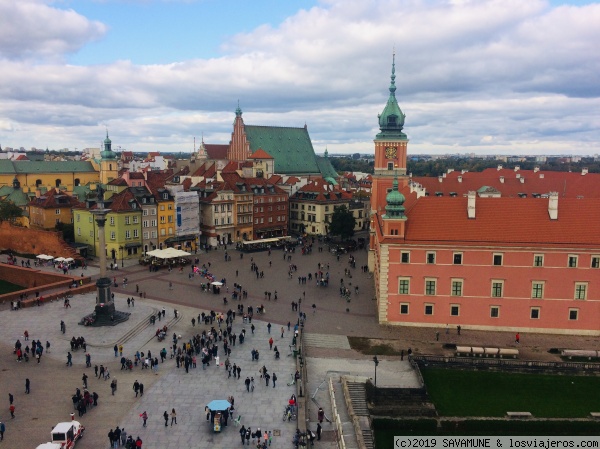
[[462, 286], [494, 308], [539, 313], [497, 281], [578, 287], [573, 258], [576, 311], [400, 281], [501, 256], [407, 305], [533, 289], [458, 309], [426, 305], [427, 281], [458, 253], [541, 256]]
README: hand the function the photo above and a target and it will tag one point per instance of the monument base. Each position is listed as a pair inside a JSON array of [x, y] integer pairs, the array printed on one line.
[[104, 313]]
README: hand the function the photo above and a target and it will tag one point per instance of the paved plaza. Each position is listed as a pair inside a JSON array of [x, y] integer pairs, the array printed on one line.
[[328, 353]]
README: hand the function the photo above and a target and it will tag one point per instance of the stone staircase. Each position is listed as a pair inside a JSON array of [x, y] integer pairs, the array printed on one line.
[[358, 398], [326, 341]]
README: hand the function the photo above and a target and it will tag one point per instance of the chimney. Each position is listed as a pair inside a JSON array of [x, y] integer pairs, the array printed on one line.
[[460, 179], [518, 175], [536, 169], [440, 178], [450, 170], [541, 176], [471, 204], [444, 175], [502, 179], [553, 205], [522, 180], [499, 167], [463, 171], [584, 171], [517, 168]]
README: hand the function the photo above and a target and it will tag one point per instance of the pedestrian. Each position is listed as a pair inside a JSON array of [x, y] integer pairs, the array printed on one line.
[[69, 359], [121, 350], [141, 389], [274, 379], [268, 328], [116, 349], [10, 398], [282, 331], [271, 343], [437, 336], [243, 434], [123, 437], [113, 386], [27, 386], [12, 411], [458, 330], [447, 329], [144, 417], [2, 430], [247, 382], [318, 431], [173, 417], [136, 388], [252, 328], [166, 417], [320, 415], [517, 338], [84, 378]]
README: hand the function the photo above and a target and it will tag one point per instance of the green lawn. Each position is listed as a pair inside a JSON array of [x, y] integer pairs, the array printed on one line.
[[8, 287], [473, 393]]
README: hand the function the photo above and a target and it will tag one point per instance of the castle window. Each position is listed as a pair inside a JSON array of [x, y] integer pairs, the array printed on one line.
[[454, 309], [38, 182], [403, 286], [405, 257], [428, 309], [595, 262], [573, 314], [538, 260], [404, 308], [57, 182], [534, 313], [497, 287], [77, 182], [494, 312]]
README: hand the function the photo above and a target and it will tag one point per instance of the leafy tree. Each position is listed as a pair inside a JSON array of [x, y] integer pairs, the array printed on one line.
[[9, 211], [67, 230], [342, 223]]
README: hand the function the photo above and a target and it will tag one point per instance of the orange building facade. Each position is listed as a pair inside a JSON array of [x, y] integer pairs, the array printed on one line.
[[521, 263]]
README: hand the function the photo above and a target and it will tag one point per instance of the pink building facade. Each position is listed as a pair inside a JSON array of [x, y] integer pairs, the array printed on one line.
[[521, 264]]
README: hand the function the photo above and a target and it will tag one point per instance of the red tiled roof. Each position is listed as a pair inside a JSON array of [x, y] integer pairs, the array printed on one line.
[[260, 154], [231, 167], [504, 221], [215, 151], [51, 200], [117, 182], [120, 201], [568, 185], [136, 175]]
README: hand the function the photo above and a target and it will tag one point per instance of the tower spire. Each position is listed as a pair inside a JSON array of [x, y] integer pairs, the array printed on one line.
[[393, 77]]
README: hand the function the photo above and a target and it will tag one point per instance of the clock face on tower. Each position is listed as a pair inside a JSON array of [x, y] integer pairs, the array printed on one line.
[[391, 152]]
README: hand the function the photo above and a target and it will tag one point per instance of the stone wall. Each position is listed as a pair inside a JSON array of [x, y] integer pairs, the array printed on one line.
[[34, 241]]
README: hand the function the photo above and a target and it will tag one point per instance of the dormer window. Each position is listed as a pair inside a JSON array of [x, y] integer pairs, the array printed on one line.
[[165, 196], [392, 120]]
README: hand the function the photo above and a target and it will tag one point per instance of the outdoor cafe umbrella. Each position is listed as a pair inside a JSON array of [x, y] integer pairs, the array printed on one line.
[[218, 405], [60, 259], [69, 259], [217, 283]]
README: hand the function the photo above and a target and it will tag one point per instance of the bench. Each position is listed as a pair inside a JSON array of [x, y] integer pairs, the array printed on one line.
[[595, 414], [519, 414], [514, 353]]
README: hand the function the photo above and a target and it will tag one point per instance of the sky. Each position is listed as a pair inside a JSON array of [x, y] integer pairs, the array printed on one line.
[[472, 76]]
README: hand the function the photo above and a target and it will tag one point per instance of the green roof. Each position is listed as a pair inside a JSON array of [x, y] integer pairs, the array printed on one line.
[[290, 147], [17, 196], [33, 167], [326, 169]]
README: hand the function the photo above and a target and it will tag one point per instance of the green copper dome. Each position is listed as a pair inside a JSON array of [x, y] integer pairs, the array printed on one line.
[[395, 202], [108, 153], [391, 120]]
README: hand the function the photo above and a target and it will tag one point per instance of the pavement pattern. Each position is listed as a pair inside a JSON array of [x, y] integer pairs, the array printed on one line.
[[328, 353]]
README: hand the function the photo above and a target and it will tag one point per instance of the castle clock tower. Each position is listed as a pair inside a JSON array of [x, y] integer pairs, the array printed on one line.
[[390, 149]]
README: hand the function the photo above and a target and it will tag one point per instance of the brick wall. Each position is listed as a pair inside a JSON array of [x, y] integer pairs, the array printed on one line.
[[34, 241]]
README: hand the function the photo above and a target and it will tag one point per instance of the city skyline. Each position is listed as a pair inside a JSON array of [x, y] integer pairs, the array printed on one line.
[[481, 77]]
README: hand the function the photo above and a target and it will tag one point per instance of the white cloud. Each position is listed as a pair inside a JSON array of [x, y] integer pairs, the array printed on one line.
[[33, 29], [507, 76]]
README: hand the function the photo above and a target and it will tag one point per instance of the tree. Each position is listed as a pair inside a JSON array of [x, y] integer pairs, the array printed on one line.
[[67, 230], [9, 211], [342, 222]]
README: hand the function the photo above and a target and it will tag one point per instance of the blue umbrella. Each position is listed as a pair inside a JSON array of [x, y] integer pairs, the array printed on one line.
[[218, 405]]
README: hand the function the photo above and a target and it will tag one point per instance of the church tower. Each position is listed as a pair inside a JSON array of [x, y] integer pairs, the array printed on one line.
[[109, 169], [390, 149], [239, 147]]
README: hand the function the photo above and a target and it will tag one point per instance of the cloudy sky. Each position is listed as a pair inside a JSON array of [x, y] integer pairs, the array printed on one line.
[[473, 76]]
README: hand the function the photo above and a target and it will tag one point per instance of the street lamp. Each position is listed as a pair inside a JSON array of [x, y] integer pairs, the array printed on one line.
[[376, 362], [122, 264]]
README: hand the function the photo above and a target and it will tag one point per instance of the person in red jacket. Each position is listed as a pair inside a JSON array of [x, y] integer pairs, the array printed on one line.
[[138, 443]]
